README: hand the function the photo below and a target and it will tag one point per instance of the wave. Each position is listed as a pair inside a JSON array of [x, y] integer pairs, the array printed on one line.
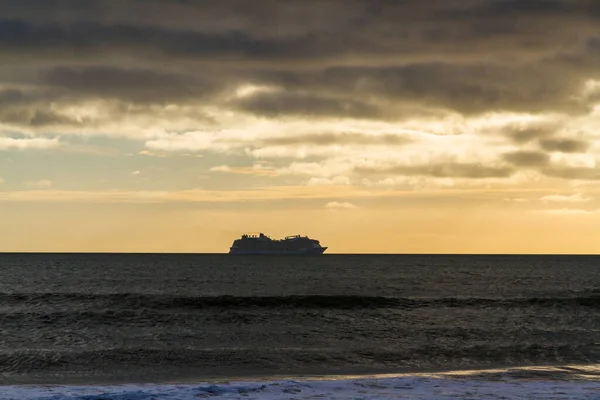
[[160, 301], [290, 359], [418, 387]]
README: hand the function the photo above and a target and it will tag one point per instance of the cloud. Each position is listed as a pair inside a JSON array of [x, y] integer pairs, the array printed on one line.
[[521, 135], [564, 145], [33, 108], [578, 173], [7, 143], [18, 35], [276, 104], [527, 158], [40, 118], [136, 85], [39, 184], [442, 170], [335, 181], [256, 169], [14, 96], [407, 94], [341, 139], [516, 200], [278, 139], [194, 30], [451, 54], [189, 141], [340, 205], [428, 183], [558, 198], [467, 88]]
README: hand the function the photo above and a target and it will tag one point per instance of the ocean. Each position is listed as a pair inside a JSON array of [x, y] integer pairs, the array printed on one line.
[[183, 326]]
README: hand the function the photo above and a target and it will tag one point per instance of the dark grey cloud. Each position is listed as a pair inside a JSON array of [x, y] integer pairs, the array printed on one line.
[[468, 88], [31, 108], [87, 38], [36, 118], [294, 30], [465, 87], [275, 104], [258, 17], [518, 8], [547, 138], [137, 85], [442, 170], [340, 139], [17, 97], [528, 134], [564, 145], [467, 56], [527, 158], [48, 117], [11, 96]]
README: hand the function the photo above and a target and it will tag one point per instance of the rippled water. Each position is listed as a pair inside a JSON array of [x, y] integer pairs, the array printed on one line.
[[132, 318]]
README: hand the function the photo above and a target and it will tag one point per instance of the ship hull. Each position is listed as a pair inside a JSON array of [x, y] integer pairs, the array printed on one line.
[[274, 252]]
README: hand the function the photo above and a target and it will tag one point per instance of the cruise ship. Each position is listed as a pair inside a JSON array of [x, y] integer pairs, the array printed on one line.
[[260, 244]]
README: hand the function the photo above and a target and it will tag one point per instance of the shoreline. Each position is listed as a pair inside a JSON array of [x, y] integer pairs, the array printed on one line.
[[541, 371]]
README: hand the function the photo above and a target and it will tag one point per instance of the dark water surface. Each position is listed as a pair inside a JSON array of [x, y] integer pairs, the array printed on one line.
[[149, 317]]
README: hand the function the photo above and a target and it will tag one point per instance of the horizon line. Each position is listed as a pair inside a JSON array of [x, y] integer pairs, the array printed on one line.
[[295, 256]]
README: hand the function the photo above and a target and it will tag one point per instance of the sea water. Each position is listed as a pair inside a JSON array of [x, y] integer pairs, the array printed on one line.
[[183, 326]]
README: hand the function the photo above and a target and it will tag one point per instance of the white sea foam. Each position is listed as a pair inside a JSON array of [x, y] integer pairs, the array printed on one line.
[[442, 386]]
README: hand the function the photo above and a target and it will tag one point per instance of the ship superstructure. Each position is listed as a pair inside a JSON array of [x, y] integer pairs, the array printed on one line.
[[261, 244]]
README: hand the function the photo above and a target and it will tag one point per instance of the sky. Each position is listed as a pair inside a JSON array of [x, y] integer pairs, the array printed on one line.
[[374, 126]]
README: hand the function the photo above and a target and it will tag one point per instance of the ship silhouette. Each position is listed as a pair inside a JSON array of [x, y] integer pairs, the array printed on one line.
[[260, 244]]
